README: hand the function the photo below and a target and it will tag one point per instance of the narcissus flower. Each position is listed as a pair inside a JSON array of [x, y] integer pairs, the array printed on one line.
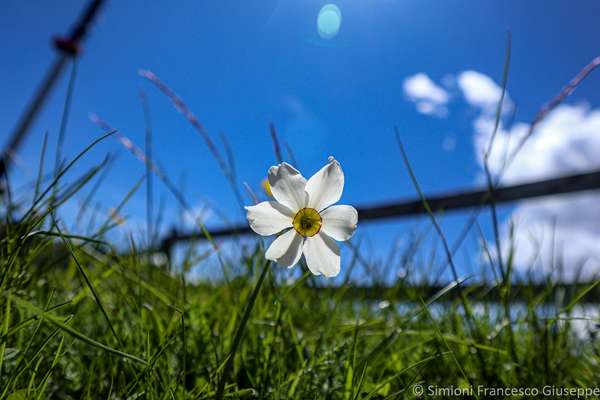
[[305, 218]]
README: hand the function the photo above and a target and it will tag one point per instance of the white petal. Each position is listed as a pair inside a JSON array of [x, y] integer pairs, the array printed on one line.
[[287, 186], [322, 255], [286, 249], [269, 217], [325, 187], [339, 222]]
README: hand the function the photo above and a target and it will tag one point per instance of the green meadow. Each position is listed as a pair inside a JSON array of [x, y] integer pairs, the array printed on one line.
[[93, 317]]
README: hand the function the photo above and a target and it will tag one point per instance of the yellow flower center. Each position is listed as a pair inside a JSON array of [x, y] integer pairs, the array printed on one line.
[[307, 222]]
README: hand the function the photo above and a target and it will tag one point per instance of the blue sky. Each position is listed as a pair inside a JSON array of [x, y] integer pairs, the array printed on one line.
[[241, 65]]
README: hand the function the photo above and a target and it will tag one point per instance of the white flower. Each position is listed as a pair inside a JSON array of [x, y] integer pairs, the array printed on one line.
[[304, 215]]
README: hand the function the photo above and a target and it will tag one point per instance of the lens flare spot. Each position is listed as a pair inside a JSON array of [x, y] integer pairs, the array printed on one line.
[[329, 21]]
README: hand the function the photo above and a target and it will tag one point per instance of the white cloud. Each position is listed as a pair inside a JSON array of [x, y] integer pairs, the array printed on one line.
[[429, 98], [558, 236], [420, 87], [556, 229], [563, 229], [481, 91], [567, 141]]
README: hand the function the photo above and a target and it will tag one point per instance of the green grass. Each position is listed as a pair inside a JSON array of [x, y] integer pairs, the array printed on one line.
[[83, 318], [86, 315]]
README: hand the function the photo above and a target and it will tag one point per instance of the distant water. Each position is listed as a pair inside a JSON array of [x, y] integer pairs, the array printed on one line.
[[584, 319]]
